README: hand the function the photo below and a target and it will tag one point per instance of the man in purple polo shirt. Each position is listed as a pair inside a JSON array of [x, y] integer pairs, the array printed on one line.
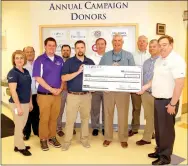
[[47, 72]]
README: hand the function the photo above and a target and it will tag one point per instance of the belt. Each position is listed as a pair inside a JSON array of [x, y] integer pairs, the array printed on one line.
[[163, 98], [78, 93], [44, 93]]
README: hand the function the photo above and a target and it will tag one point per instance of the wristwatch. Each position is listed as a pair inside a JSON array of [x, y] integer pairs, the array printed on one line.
[[172, 105]]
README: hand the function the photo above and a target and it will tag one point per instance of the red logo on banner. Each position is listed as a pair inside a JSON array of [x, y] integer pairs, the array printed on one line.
[[94, 48]]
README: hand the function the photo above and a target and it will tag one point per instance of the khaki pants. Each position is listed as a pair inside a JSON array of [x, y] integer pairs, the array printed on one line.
[[148, 104], [77, 103], [19, 122], [136, 104], [49, 106], [121, 100]]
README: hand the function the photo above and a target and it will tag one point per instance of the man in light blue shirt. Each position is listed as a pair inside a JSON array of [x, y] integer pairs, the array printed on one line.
[[33, 118], [116, 57]]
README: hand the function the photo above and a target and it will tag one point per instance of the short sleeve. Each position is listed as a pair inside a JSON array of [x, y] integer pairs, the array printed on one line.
[[66, 68], [91, 62], [179, 68], [37, 68], [131, 60], [12, 77]]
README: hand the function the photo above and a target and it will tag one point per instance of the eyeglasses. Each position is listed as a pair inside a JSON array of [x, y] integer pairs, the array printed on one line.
[[116, 58]]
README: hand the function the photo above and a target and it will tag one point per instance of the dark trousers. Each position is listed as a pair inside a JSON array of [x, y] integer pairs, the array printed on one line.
[[33, 119], [97, 99], [164, 127]]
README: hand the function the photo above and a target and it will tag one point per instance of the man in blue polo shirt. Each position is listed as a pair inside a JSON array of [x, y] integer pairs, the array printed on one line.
[[47, 72], [77, 100]]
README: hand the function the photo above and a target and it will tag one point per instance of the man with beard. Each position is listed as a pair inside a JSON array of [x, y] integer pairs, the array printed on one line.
[[77, 100], [65, 52]]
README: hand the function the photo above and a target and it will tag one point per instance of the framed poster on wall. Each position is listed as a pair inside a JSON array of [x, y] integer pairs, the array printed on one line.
[[69, 34]]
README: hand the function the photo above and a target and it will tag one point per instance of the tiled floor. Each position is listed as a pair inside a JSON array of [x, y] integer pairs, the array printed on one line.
[[97, 154]]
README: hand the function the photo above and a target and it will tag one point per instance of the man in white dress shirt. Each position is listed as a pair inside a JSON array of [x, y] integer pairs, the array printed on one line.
[[97, 97], [139, 57], [33, 118]]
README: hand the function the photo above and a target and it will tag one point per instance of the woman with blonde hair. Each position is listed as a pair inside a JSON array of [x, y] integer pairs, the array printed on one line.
[[19, 82]]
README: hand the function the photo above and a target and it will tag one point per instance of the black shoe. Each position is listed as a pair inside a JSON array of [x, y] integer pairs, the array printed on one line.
[[53, 141], [44, 145], [95, 132], [153, 136], [153, 155], [26, 137], [74, 132], [60, 133], [36, 134], [102, 131], [25, 152], [161, 161], [131, 133], [142, 142], [16, 149]]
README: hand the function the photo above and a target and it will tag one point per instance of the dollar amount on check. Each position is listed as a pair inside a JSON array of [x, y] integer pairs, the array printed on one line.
[[112, 78]]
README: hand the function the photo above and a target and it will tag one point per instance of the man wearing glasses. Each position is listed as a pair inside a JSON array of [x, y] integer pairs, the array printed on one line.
[[117, 57]]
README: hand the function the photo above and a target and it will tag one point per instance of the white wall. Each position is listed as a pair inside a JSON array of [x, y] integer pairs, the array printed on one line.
[[21, 21]]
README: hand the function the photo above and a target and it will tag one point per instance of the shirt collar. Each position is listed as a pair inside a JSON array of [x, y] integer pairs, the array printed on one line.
[[97, 55], [30, 63], [141, 52], [119, 53], [46, 56], [18, 69], [169, 55], [85, 59], [155, 57]]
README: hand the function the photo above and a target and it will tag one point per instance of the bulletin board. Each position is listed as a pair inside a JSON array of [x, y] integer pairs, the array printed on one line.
[[69, 34]]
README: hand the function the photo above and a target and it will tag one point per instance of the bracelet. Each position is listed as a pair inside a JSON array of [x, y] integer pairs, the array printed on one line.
[[172, 105]]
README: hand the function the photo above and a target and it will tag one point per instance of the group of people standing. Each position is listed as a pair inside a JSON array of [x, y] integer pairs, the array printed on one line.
[[40, 89]]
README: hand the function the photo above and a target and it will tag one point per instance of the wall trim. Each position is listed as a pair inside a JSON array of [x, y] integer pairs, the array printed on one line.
[[184, 108], [78, 125]]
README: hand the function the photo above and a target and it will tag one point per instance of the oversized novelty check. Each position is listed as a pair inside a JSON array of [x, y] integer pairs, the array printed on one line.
[[112, 78]]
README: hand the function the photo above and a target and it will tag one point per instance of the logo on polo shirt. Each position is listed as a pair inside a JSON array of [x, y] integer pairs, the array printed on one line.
[[10, 78], [58, 63]]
